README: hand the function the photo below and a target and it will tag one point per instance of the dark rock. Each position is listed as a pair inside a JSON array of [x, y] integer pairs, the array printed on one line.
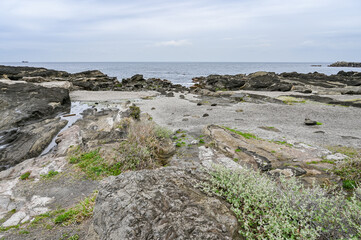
[[199, 104], [214, 104], [263, 163], [170, 94], [346, 64], [88, 80], [206, 115], [269, 81], [28, 121], [160, 204], [138, 83], [310, 122], [322, 132], [182, 97]]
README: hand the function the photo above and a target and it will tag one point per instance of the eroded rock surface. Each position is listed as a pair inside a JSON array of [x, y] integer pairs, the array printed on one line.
[[139, 83], [28, 120], [88, 80], [275, 158], [340, 83], [160, 204]]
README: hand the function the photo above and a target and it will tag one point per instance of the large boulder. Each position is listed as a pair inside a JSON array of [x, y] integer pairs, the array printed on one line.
[[160, 204], [28, 119]]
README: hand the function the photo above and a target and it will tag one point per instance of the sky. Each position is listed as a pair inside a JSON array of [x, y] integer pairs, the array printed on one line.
[[180, 30]]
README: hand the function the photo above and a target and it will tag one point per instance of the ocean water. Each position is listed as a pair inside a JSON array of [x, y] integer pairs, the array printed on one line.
[[183, 72]]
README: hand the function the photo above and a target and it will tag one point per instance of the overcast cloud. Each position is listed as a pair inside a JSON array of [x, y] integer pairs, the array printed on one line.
[[189, 30]]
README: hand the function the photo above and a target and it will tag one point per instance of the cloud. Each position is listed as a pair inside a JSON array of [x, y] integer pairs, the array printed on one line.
[[173, 43], [120, 29]]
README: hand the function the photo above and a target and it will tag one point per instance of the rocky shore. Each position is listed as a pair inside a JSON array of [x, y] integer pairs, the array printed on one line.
[[346, 64], [140, 158]]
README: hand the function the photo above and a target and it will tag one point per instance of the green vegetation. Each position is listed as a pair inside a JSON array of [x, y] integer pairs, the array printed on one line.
[[79, 213], [319, 123], [245, 135], [267, 209], [201, 141], [50, 174], [348, 169], [24, 232], [134, 112], [348, 184], [25, 176], [74, 237], [322, 161], [238, 150], [94, 165], [4, 229]]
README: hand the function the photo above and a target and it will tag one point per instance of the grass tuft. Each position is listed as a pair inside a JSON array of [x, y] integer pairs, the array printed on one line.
[[243, 134], [25, 176], [79, 213]]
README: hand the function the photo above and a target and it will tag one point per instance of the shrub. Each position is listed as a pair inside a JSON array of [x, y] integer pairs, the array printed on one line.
[[285, 210], [135, 112]]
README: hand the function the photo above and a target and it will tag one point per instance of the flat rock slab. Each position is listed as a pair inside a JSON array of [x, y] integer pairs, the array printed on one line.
[[110, 95], [160, 204]]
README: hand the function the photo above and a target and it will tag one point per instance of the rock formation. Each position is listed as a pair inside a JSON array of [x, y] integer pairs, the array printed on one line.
[[345, 64], [28, 119]]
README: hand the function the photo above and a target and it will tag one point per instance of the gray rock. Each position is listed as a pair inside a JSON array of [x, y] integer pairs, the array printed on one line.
[[27, 123], [88, 80], [310, 122], [160, 204]]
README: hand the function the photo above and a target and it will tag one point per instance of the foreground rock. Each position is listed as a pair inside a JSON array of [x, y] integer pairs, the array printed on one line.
[[345, 64], [274, 157], [88, 80], [340, 83], [160, 204], [28, 120]]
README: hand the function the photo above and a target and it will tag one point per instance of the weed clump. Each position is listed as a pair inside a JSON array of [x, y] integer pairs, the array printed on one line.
[[348, 169], [245, 135], [79, 213], [49, 175], [285, 210], [25, 176]]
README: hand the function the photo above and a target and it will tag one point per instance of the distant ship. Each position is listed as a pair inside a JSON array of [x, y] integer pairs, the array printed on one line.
[[25, 61]]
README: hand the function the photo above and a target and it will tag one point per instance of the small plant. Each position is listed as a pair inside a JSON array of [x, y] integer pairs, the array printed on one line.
[[50, 174], [134, 112], [25, 176], [201, 141], [79, 213], [348, 184], [319, 123], [74, 237], [24, 232], [238, 150]]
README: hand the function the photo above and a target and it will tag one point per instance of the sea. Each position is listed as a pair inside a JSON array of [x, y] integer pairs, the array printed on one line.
[[183, 72]]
